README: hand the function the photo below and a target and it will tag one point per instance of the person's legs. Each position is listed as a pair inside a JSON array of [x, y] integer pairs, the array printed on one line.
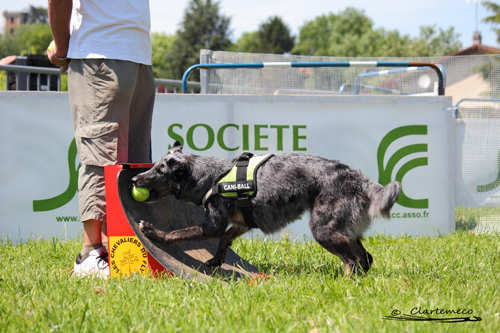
[[94, 236], [91, 237], [92, 198], [92, 258], [101, 93], [92, 231]]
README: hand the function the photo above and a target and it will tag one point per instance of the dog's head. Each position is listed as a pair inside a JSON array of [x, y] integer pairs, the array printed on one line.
[[167, 174]]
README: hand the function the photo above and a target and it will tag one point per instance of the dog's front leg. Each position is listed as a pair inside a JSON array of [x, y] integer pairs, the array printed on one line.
[[195, 233], [225, 242]]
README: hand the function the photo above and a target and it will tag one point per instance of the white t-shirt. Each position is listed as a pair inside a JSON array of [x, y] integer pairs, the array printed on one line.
[[111, 29]]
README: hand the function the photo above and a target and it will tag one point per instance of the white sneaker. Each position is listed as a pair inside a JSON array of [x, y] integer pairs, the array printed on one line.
[[96, 264]]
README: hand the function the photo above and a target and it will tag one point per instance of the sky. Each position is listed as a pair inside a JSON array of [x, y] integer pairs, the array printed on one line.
[[404, 15]]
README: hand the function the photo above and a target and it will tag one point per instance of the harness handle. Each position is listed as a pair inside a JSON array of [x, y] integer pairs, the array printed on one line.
[[243, 201]]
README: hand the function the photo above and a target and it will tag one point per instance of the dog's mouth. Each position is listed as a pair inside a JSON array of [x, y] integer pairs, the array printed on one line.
[[153, 194], [155, 191]]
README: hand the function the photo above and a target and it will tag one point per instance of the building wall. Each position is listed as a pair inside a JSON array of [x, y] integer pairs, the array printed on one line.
[[13, 20]]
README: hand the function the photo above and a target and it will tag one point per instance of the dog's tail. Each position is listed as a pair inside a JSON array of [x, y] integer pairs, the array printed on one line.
[[382, 198]]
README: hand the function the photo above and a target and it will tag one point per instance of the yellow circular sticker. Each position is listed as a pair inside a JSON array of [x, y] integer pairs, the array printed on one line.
[[127, 256]]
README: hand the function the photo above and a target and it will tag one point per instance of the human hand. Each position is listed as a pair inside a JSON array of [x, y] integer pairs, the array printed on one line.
[[59, 61]]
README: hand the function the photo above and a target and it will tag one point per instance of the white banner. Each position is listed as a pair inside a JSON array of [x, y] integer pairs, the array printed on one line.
[[36, 197], [477, 149], [387, 138]]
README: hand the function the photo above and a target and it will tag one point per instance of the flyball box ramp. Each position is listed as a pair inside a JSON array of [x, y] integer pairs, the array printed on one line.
[[132, 252]]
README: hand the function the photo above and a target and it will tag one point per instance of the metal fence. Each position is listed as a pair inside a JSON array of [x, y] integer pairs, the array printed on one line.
[[33, 78], [473, 82], [478, 167], [465, 76], [409, 66]]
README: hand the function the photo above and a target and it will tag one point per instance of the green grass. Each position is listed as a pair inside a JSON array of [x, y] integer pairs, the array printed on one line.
[[304, 290]]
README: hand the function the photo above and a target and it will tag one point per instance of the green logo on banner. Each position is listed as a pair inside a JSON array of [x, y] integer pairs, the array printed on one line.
[[494, 184], [385, 174], [66, 196]]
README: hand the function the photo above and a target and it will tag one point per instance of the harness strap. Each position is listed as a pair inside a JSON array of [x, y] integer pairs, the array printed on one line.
[[207, 196], [235, 185], [243, 200]]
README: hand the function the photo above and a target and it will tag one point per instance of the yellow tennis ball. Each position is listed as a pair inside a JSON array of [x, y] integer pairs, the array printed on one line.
[[52, 45], [140, 194]]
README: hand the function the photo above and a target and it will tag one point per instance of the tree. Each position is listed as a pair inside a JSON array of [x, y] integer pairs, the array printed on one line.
[[273, 36], [491, 70], [27, 39], [38, 15], [34, 38], [161, 44], [9, 46], [248, 42], [350, 34], [203, 27], [495, 18], [434, 43], [314, 36], [392, 44]]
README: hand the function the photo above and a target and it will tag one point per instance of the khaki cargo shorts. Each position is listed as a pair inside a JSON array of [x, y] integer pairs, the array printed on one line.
[[112, 107]]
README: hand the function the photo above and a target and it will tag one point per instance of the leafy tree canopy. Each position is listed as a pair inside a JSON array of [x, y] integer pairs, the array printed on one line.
[[38, 15], [432, 42], [248, 42], [203, 27], [495, 18], [273, 36], [161, 44], [27, 39], [9, 46], [34, 38], [351, 34]]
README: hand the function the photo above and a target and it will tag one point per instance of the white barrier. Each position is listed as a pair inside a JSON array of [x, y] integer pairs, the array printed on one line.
[[386, 137], [477, 147]]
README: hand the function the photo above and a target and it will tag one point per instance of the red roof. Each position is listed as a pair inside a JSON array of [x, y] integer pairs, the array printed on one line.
[[476, 49]]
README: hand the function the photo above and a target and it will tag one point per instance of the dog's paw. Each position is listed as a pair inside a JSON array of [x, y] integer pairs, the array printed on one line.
[[146, 228], [214, 262]]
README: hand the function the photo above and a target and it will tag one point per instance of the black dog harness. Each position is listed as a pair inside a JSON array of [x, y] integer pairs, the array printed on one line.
[[240, 184]]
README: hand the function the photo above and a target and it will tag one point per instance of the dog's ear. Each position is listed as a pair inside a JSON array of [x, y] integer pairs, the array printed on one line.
[[178, 166], [176, 148]]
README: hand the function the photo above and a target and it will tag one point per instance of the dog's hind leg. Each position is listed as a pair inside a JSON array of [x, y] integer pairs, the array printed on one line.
[[226, 241], [351, 252], [369, 258]]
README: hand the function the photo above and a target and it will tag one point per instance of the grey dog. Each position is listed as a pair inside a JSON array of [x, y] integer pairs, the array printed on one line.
[[342, 201]]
